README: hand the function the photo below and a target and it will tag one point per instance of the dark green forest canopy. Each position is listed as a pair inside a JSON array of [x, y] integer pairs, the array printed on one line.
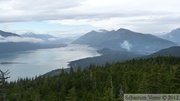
[[102, 83]]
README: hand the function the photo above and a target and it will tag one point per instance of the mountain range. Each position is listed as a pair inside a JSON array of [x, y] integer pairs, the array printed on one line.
[[48, 39], [124, 39], [11, 42], [119, 45], [173, 36], [8, 34], [40, 36]]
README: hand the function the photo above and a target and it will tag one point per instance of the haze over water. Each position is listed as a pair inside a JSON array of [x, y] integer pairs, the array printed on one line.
[[37, 62]]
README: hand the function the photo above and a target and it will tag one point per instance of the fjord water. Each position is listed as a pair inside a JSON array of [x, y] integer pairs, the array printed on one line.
[[37, 62]]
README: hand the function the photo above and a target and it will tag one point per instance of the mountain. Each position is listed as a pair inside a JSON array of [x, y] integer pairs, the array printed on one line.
[[92, 38], [8, 34], [124, 39], [6, 46], [11, 42], [39, 36], [172, 51], [48, 39], [174, 36]]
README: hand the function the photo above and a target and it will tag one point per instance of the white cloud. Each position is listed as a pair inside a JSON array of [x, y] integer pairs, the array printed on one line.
[[83, 9], [52, 39], [126, 45], [140, 15], [38, 10], [40, 5]]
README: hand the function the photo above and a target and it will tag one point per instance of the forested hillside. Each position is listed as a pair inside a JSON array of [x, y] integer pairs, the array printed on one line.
[[153, 75]]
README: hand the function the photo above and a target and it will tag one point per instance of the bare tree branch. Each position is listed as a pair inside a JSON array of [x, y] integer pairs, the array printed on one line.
[[3, 82]]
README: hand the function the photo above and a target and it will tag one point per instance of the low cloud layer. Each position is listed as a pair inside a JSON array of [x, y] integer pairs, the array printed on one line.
[[20, 39]]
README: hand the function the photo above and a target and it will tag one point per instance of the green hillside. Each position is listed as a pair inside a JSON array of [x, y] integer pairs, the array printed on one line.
[[153, 75]]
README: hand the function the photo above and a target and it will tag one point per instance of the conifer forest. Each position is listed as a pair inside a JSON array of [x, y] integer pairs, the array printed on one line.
[[101, 83]]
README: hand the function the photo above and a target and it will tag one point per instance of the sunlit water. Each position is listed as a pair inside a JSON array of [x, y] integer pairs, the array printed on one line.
[[38, 62]]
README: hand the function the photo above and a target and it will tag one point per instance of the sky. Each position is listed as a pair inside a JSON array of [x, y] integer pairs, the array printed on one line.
[[69, 18]]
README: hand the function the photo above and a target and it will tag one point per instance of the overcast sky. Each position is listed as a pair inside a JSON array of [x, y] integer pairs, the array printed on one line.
[[75, 17]]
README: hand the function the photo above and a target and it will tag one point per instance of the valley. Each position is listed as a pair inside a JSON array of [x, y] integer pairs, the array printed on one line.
[[110, 58], [109, 47], [89, 50]]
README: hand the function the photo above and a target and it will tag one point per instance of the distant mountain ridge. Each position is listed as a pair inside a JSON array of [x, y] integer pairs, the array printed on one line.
[[172, 51], [174, 36], [124, 39], [7, 34], [11, 42], [48, 38], [40, 36]]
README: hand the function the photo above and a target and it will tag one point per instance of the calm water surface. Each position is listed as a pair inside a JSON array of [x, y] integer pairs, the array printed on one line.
[[38, 62]]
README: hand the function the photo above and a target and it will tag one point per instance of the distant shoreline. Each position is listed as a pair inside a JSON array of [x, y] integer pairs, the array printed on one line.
[[4, 63]]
